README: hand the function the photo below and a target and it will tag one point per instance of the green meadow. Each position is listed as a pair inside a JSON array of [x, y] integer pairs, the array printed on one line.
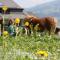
[[24, 47]]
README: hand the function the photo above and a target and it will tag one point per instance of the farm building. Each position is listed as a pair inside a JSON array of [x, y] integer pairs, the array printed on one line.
[[9, 9], [13, 10]]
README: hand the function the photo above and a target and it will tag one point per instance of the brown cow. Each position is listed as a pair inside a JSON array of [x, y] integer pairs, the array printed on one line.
[[46, 23]]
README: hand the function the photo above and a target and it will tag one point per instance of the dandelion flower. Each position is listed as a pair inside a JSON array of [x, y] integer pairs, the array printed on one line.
[[42, 53], [26, 23], [17, 20], [5, 33]]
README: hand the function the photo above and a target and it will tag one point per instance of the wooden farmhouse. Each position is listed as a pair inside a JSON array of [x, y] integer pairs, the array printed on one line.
[[9, 9]]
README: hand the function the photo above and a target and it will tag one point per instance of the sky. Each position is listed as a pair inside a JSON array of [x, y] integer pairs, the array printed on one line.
[[31, 3]]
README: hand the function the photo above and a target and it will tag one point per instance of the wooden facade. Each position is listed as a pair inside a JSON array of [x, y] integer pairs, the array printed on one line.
[[13, 11]]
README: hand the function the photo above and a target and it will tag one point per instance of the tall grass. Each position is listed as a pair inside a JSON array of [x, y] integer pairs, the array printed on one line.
[[24, 47]]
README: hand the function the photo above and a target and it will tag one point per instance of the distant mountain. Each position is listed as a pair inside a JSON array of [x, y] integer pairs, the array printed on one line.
[[47, 9]]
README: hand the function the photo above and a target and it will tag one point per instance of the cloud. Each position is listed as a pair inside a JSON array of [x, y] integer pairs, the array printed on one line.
[[30, 3]]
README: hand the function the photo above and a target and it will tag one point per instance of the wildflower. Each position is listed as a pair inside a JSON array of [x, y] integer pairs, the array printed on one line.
[[5, 33], [42, 53], [4, 8], [17, 20], [26, 23]]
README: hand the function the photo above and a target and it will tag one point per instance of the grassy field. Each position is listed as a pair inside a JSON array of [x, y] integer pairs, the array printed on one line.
[[24, 47]]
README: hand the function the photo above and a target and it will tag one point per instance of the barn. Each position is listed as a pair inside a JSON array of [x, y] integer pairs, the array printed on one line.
[[12, 11]]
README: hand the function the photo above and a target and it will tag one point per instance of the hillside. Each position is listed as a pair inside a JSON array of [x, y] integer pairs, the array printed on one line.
[[47, 9], [52, 8]]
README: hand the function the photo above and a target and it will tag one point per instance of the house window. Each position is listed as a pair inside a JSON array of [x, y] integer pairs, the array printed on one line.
[[11, 10], [15, 10]]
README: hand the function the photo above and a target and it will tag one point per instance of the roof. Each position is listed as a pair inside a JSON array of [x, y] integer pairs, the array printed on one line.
[[9, 3], [12, 4]]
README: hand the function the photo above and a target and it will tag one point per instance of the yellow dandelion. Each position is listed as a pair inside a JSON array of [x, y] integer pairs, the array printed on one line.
[[4, 8], [5, 33], [42, 53], [17, 20], [26, 23]]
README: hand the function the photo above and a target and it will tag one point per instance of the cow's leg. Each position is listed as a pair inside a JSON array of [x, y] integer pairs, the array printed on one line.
[[26, 31], [52, 30], [32, 28], [53, 27]]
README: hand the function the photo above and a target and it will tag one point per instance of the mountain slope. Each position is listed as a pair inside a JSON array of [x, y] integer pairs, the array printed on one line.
[[47, 9]]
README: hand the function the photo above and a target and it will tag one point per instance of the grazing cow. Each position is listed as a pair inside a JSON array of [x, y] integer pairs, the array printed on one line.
[[1, 23], [46, 23]]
